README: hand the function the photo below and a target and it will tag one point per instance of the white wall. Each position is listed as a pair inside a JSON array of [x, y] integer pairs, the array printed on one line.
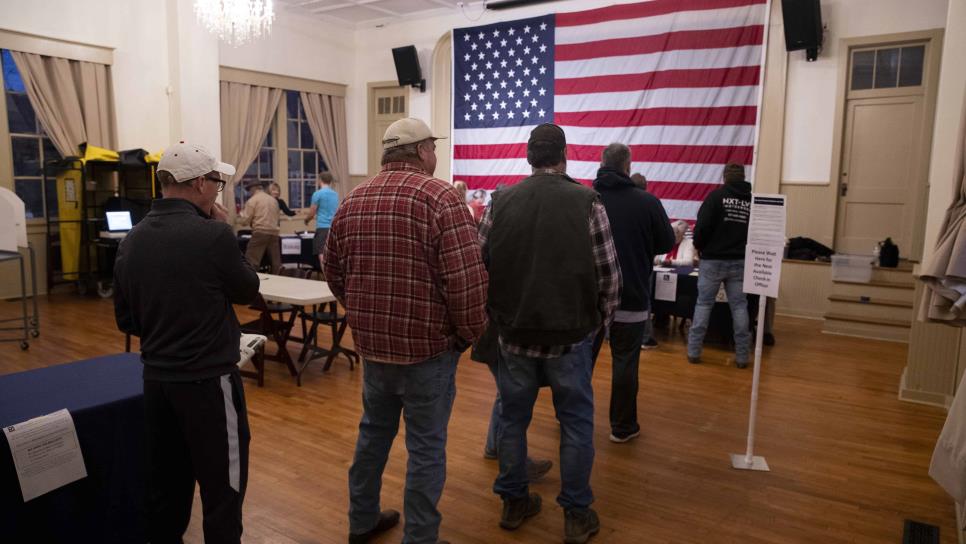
[[812, 86], [948, 134], [136, 30]]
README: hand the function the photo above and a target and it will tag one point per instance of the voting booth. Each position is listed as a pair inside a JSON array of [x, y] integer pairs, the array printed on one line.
[[13, 245]]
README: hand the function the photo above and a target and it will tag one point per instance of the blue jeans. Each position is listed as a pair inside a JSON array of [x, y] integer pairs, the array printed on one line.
[[710, 275], [573, 398], [493, 431], [423, 393]]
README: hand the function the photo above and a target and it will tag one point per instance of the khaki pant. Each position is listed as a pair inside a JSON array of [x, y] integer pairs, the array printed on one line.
[[256, 248]]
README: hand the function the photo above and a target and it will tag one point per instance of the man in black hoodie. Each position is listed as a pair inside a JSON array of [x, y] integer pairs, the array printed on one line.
[[177, 274], [641, 230], [720, 235]]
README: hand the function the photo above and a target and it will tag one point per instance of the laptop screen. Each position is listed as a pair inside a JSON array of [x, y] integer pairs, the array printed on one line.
[[118, 221]]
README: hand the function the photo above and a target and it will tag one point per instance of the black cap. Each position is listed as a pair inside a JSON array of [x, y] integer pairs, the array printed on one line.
[[548, 133]]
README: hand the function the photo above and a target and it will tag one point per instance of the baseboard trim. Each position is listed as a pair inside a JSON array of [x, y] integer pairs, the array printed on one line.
[[893, 340], [929, 398]]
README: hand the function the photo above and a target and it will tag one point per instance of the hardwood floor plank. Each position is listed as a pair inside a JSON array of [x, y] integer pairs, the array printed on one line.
[[849, 461]]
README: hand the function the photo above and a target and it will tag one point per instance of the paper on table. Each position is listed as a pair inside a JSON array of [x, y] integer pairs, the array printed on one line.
[[291, 246], [666, 286], [46, 453]]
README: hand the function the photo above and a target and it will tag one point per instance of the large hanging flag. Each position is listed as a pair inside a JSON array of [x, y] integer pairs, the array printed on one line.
[[676, 80]]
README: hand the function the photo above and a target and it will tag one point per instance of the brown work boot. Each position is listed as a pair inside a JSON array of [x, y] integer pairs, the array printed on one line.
[[580, 525], [516, 511], [387, 520]]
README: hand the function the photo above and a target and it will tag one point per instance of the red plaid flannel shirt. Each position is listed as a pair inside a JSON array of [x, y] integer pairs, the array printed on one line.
[[402, 256]]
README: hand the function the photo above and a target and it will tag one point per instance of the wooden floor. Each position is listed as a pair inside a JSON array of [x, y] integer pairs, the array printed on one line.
[[848, 459]]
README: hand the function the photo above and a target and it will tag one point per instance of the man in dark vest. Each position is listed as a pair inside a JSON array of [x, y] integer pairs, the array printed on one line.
[[554, 283], [641, 230]]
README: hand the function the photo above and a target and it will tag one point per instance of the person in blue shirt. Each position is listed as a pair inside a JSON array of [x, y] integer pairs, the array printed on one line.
[[324, 203]]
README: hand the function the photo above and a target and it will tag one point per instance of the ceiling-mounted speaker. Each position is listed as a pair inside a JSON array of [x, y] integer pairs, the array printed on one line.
[[803, 26], [407, 67]]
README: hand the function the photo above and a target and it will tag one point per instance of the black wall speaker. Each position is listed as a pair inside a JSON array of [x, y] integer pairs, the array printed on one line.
[[407, 67], [803, 26]]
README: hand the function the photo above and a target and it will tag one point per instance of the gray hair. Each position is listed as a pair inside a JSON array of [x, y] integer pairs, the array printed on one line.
[[402, 153], [616, 156]]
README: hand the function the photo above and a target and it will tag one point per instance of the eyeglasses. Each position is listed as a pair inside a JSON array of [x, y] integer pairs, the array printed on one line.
[[218, 181]]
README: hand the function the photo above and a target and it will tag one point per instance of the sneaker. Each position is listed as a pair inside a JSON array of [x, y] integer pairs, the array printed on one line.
[[516, 511], [580, 525], [387, 520], [489, 454], [538, 468], [620, 438], [694, 360], [650, 344], [769, 339]]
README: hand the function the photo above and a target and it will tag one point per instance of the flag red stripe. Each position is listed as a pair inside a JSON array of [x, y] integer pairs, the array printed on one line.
[[665, 79], [737, 115], [674, 190], [685, 154], [487, 182], [646, 9], [658, 43]]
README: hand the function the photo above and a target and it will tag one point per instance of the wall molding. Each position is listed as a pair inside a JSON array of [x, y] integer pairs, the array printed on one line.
[[51, 47]]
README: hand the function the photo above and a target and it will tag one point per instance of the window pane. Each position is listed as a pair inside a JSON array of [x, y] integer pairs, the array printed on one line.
[[292, 105], [910, 69], [322, 166], [886, 68], [252, 171], [294, 193], [50, 152], [11, 77], [20, 116], [307, 141], [294, 165], [50, 190], [270, 137], [308, 165], [239, 197], [265, 164], [26, 156], [863, 64], [31, 192], [293, 134]]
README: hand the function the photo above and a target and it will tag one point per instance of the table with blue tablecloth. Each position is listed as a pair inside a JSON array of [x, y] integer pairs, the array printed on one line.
[[105, 397]]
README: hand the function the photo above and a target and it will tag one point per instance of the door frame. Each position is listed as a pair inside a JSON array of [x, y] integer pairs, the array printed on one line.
[[933, 39], [373, 139]]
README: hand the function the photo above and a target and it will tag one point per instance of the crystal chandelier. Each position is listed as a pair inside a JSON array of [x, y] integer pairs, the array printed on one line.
[[236, 21]]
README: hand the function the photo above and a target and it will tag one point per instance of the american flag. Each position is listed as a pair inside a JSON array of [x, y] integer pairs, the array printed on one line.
[[676, 80]]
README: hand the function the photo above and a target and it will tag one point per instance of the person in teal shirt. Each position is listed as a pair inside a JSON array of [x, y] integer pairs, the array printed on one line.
[[324, 203]]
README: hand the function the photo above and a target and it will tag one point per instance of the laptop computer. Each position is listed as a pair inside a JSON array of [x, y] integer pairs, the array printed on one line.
[[118, 224]]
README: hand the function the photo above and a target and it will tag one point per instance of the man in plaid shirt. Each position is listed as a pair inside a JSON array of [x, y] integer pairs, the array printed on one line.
[[554, 284], [403, 258]]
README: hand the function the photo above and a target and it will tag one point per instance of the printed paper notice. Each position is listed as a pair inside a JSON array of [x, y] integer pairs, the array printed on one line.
[[291, 246], [763, 270], [767, 224], [45, 453], [666, 286]]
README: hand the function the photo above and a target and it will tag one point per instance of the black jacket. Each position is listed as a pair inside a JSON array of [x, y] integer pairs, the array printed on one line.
[[177, 274], [641, 230], [283, 207], [721, 231]]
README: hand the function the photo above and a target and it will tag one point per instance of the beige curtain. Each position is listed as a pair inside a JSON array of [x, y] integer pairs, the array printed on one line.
[[944, 274], [326, 117], [72, 99], [247, 113]]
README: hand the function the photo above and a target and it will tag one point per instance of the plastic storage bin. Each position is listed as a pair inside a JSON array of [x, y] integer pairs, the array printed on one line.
[[855, 268]]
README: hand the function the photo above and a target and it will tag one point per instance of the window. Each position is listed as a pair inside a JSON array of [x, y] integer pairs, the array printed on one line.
[[888, 68], [304, 161], [30, 146], [262, 168]]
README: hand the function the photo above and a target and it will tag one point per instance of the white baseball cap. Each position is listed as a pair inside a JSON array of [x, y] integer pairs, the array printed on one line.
[[189, 161], [406, 131]]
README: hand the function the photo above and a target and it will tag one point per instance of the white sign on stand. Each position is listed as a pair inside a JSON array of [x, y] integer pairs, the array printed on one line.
[[46, 453], [763, 265], [291, 245], [666, 286]]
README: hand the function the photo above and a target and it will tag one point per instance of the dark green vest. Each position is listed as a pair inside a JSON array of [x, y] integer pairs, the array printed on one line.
[[543, 280]]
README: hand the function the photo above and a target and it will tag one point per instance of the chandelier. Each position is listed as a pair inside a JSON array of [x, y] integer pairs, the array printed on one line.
[[236, 22]]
